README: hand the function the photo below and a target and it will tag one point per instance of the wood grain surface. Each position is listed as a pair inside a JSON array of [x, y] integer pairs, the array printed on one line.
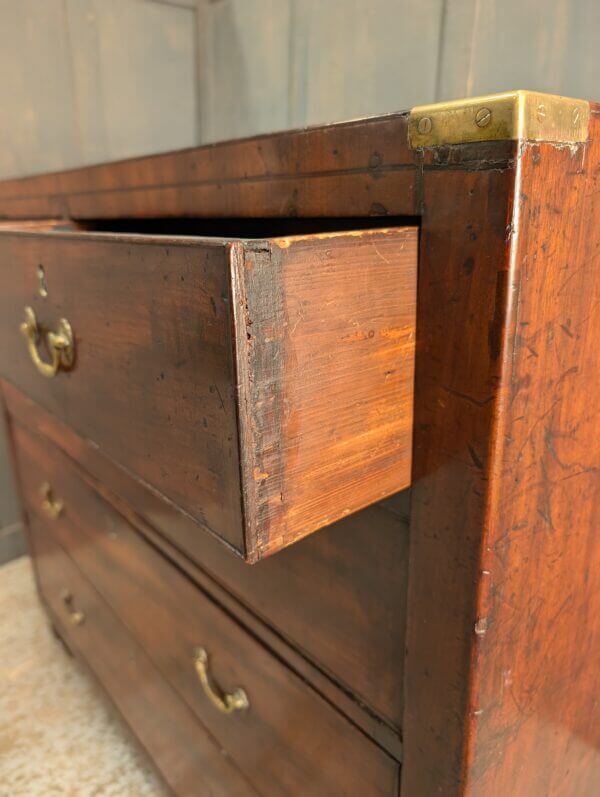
[[335, 597], [360, 168], [325, 353], [169, 616], [502, 672]]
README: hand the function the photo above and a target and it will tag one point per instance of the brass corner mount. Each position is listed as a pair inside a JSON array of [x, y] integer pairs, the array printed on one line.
[[516, 115]]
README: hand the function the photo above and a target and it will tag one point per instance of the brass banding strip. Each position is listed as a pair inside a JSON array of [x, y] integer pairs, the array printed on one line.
[[516, 115]]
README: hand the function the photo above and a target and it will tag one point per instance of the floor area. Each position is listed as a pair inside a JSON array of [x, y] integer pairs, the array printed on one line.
[[57, 736]]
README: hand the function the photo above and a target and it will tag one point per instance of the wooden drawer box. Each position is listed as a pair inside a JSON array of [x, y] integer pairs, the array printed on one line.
[[263, 386], [171, 619], [339, 596]]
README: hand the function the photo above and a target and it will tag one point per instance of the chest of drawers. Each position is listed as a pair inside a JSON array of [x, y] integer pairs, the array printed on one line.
[[305, 428]]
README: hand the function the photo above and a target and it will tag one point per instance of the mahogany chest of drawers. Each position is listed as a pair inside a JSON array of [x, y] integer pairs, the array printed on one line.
[[306, 433]]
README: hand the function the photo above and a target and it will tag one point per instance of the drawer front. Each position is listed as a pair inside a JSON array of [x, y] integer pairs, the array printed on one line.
[[263, 387], [183, 751], [152, 378], [288, 740], [339, 596]]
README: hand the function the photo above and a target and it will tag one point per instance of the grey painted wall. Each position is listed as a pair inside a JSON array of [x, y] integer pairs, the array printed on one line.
[[91, 80]]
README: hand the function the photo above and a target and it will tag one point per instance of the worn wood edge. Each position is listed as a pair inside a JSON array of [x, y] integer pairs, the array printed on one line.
[[245, 423], [464, 780], [442, 691], [53, 229]]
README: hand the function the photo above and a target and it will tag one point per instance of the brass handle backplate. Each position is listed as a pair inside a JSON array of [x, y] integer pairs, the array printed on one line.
[[225, 702], [75, 616], [52, 506], [60, 344]]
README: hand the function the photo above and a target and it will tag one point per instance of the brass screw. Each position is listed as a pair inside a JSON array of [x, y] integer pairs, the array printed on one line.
[[425, 125], [483, 117], [541, 112]]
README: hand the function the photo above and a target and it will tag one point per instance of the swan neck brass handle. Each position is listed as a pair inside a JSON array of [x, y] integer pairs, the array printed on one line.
[[225, 702], [75, 616], [60, 344], [51, 506]]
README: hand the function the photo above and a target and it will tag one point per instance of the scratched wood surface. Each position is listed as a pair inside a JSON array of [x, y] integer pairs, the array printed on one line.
[[502, 669], [536, 711]]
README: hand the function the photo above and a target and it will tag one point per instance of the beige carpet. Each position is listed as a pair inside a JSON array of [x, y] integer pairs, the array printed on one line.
[[57, 737]]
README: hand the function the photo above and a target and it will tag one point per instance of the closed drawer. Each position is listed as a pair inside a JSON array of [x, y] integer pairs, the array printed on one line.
[[288, 740], [263, 387], [182, 750], [338, 597]]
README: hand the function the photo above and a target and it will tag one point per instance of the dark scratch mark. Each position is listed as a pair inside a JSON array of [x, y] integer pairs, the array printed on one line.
[[477, 462], [465, 397]]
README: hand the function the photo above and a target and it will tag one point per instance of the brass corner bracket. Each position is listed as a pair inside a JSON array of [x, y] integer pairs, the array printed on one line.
[[517, 115]]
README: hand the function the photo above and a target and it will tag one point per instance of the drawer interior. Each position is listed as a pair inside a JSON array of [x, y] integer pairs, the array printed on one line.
[[236, 227]]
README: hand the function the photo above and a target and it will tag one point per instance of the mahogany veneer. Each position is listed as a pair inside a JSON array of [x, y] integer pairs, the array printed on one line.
[[244, 321]]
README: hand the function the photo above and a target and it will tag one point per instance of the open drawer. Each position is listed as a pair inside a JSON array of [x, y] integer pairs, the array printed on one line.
[[264, 387]]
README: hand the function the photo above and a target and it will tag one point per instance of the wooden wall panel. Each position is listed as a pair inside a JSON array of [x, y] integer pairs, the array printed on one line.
[[544, 45], [134, 73], [37, 125], [359, 57], [244, 70], [92, 80]]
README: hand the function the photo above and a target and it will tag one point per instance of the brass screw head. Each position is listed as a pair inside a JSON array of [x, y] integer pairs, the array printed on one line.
[[541, 112], [425, 125], [483, 117]]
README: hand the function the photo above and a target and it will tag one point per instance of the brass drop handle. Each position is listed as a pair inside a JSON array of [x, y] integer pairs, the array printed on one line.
[[76, 617], [51, 506], [225, 702], [60, 344]]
